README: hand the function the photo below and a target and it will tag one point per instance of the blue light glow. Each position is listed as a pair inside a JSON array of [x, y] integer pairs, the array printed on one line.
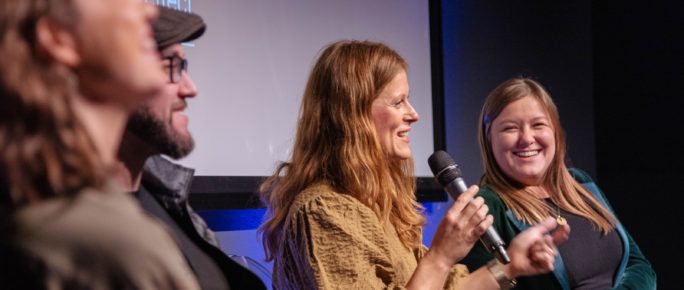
[[250, 219]]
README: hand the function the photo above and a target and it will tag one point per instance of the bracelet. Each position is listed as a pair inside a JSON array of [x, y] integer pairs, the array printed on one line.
[[497, 271]]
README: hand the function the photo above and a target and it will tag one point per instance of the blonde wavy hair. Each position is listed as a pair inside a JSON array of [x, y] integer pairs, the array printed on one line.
[[44, 150], [564, 190], [336, 144]]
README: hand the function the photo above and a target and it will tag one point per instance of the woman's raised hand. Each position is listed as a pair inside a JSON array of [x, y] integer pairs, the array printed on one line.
[[533, 251], [461, 227]]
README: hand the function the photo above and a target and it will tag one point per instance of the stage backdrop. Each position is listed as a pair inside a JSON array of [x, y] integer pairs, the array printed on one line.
[[252, 64]]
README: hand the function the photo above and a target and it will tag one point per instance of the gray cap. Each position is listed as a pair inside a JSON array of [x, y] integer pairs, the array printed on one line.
[[173, 26]]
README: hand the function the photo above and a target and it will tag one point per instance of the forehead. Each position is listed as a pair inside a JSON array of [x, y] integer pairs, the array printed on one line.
[[528, 107], [397, 87], [98, 7]]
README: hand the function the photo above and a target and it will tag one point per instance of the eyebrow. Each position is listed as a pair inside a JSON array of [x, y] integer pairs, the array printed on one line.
[[545, 118], [172, 54], [401, 96]]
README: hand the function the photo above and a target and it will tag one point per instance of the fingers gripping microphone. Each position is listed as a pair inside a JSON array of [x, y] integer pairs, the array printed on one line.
[[448, 175]]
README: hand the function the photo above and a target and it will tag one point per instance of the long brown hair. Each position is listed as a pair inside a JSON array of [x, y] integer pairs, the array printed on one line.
[[44, 150], [561, 186], [336, 144]]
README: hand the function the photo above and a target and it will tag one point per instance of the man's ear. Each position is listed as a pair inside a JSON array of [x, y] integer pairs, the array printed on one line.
[[57, 42]]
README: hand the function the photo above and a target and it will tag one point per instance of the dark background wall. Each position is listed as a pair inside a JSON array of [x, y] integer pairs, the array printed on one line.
[[638, 76], [614, 70], [486, 44]]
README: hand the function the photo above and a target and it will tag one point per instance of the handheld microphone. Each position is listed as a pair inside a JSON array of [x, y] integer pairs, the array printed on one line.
[[449, 175]]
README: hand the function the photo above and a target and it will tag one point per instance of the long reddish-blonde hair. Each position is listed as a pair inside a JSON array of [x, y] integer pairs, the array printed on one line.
[[564, 190], [336, 144], [44, 150]]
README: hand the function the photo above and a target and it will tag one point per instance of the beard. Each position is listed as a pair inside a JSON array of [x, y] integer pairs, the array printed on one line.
[[161, 135]]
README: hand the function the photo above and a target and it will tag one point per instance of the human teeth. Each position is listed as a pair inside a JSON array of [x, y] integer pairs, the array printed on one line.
[[402, 134], [527, 153]]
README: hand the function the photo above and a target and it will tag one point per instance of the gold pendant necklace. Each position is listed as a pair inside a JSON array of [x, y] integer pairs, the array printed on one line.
[[559, 219]]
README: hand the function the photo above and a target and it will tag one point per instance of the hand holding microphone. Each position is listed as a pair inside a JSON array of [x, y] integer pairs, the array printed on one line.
[[461, 227], [449, 175], [532, 252]]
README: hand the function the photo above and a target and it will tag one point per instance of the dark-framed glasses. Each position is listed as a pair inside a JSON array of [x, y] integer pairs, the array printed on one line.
[[175, 66]]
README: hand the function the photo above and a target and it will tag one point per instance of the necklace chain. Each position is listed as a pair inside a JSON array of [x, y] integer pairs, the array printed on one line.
[[560, 220]]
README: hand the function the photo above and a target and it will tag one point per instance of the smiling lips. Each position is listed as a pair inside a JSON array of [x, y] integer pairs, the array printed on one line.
[[404, 134], [527, 153], [179, 105]]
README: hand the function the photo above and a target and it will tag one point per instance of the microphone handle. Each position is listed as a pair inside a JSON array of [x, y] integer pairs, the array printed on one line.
[[495, 245], [490, 239]]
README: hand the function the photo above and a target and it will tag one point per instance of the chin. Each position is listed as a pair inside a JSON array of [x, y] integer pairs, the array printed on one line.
[[530, 179], [183, 132], [403, 155]]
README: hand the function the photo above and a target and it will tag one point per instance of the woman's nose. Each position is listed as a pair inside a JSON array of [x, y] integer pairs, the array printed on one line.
[[526, 137], [411, 115]]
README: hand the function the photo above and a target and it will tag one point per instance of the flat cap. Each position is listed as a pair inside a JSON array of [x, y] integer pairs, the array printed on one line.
[[173, 26]]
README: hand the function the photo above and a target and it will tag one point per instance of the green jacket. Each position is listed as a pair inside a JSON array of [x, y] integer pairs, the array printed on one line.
[[634, 272]]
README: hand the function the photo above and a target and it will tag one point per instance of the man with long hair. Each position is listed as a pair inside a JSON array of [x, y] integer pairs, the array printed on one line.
[[71, 72]]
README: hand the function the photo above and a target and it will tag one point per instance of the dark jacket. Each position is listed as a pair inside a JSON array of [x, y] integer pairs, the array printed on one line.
[[169, 183], [634, 271]]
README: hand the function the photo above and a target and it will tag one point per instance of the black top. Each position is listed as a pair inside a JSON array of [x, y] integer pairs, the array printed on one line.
[[590, 257], [208, 273]]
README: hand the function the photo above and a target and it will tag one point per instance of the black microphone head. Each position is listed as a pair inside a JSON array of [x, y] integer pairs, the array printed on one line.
[[443, 167]]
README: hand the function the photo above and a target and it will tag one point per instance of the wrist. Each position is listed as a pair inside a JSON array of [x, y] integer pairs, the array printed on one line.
[[502, 274], [509, 271], [436, 261]]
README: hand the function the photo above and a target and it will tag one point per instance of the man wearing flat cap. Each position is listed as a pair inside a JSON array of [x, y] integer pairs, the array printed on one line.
[[162, 187]]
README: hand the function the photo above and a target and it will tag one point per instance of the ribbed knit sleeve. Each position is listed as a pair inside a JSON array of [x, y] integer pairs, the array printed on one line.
[[332, 241]]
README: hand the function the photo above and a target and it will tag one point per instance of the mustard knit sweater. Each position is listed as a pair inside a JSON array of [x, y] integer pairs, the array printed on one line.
[[333, 241]]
